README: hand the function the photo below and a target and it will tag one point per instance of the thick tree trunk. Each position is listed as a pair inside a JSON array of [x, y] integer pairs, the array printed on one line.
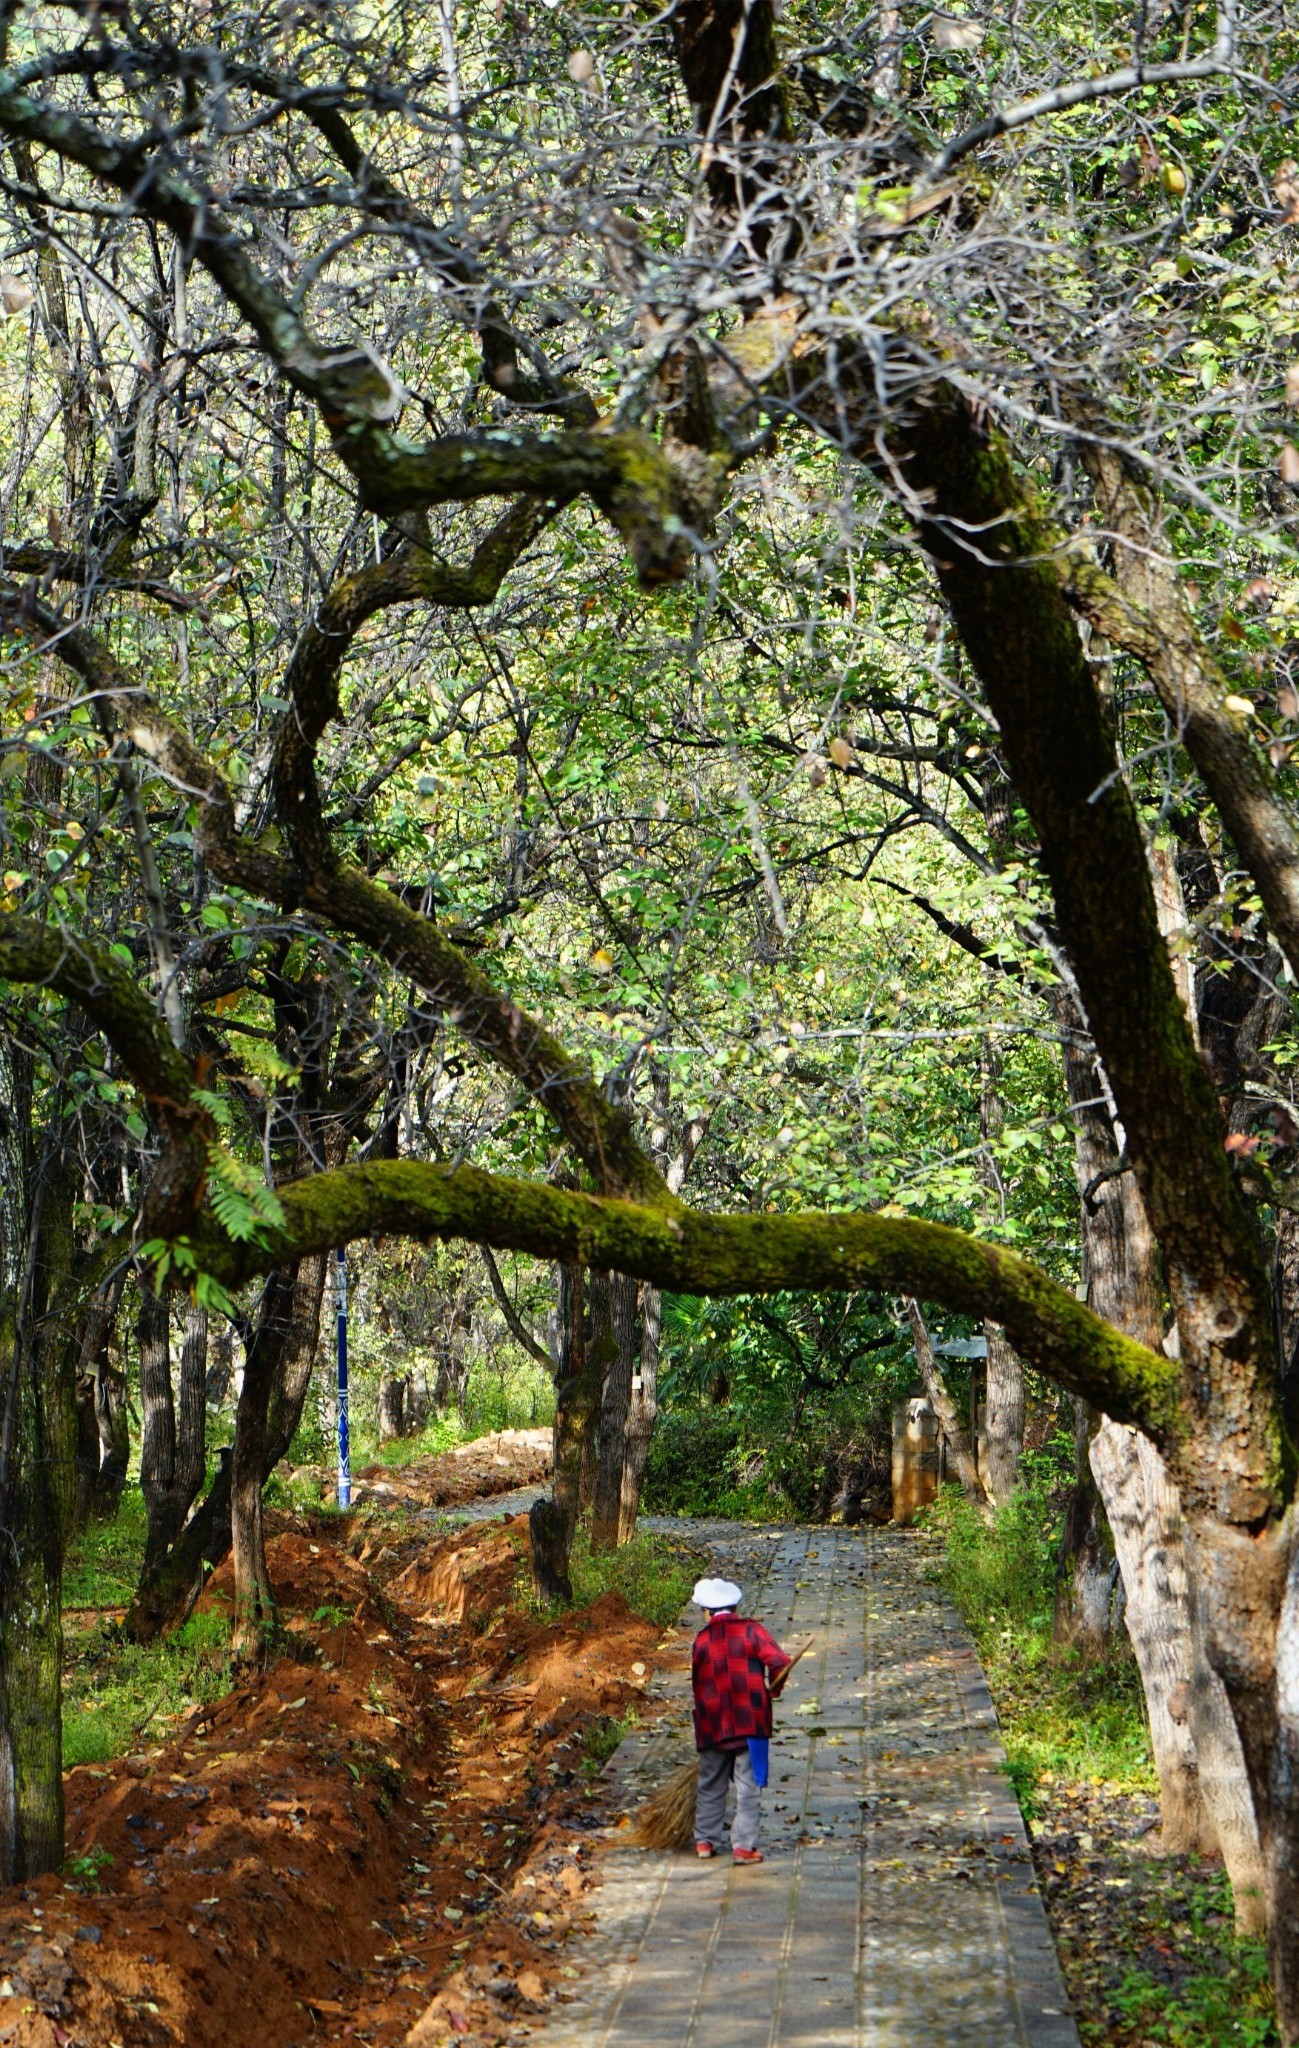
[[31, 1631], [173, 1430], [1003, 1421], [958, 1443], [392, 1406], [641, 1412], [157, 1423], [1084, 1584], [1204, 1792], [112, 1419], [191, 1408], [615, 1414], [254, 1620], [452, 1381], [38, 1361], [579, 1383], [221, 1366], [1145, 1520], [599, 1354], [92, 1362], [1003, 1415], [1285, 1287], [288, 1328]]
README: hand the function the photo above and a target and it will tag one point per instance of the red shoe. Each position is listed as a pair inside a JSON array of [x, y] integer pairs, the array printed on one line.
[[705, 1849], [746, 1855]]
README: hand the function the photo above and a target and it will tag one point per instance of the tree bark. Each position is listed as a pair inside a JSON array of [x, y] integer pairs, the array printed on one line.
[[1003, 1415], [92, 1363], [641, 1412], [112, 1420], [254, 1615], [173, 1431], [642, 1387], [578, 1387], [1204, 1794], [599, 1355], [38, 1361], [1003, 1421], [1084, 1584], [288, 1329], [221, 1366], [393, 1390], [615, 1413], [958, 1443]]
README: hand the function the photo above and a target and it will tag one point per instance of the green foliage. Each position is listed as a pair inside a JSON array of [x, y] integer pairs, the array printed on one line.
[[243, 1205], [602, 1736], [1232, 2003], [690, 1469], [771, 1406], [103, 1561], [177, 1255], [655, 1574], [118, 1694], [1057, 1715], [83, 1873]]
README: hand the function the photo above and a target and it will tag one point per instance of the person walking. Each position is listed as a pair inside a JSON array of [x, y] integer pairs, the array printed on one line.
[[737, 1669]]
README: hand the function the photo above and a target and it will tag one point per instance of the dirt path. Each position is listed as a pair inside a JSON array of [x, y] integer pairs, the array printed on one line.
[[400, 1795], [898, 1905], [391, 1836]]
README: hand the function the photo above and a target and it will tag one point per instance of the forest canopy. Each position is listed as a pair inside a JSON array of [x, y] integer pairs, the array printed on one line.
[[665, 642]]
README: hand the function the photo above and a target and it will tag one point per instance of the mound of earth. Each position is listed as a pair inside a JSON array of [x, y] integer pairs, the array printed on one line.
[[498, 1463], [398, 1803]]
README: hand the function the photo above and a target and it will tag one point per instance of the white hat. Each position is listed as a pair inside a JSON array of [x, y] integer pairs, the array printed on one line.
[[714, 1594]]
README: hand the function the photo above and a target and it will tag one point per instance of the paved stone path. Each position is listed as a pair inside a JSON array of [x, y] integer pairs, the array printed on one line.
[[898, 1907]]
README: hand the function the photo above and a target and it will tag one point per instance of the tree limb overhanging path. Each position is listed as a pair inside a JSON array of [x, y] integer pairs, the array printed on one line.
[[898, 1904]]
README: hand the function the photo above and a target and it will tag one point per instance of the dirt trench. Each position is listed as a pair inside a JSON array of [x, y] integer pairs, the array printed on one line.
[[384, 1838]]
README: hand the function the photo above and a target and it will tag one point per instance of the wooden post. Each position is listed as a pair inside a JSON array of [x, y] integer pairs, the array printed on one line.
[[915, 1458]]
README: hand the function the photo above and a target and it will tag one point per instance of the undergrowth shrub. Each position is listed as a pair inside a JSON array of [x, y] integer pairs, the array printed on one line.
[[118, 1695], [1058, 1715]]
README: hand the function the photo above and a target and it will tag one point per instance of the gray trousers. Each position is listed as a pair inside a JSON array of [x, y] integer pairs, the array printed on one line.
[[717, 1767]]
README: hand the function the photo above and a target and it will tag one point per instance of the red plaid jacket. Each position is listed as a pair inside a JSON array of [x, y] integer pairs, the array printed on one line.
[[731, 1660]]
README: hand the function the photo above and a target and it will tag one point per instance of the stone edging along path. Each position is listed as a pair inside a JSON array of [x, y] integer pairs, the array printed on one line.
[[898, 1907]]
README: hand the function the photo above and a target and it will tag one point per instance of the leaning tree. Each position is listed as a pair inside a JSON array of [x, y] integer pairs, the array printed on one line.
[[1022, 284]]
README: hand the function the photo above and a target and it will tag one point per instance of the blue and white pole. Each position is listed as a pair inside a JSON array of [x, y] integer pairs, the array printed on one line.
[[344, 1444]]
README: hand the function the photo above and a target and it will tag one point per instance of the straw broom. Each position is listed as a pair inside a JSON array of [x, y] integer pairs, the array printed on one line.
[[667, 1820]]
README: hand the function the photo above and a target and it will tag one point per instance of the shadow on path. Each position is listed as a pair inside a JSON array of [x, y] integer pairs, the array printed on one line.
[[898, 1907]]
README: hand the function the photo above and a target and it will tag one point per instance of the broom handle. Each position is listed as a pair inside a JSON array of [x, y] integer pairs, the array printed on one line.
[[779, 1686]]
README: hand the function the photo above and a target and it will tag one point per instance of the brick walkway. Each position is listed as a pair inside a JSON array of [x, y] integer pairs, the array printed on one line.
[[898, 1907]]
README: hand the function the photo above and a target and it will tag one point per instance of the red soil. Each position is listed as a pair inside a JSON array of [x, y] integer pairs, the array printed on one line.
[[397, 1805]]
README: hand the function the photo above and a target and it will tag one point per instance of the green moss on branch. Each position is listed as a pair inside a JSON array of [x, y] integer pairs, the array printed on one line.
[[682, 1249]]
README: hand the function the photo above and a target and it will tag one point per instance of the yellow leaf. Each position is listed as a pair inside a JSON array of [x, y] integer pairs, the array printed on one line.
[[1240, 705]]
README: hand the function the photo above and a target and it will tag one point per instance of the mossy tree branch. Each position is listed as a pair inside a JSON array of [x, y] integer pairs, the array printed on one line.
[[1143, 609], [652, 501], [994, 556], [88, 974], [690, 1251]]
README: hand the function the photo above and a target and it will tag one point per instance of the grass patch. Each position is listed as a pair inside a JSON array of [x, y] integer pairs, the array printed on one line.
[[1058, 1717], [601, 1737], [117, 1695], [1225, 2003], [654, 1574], [103, 1561]]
